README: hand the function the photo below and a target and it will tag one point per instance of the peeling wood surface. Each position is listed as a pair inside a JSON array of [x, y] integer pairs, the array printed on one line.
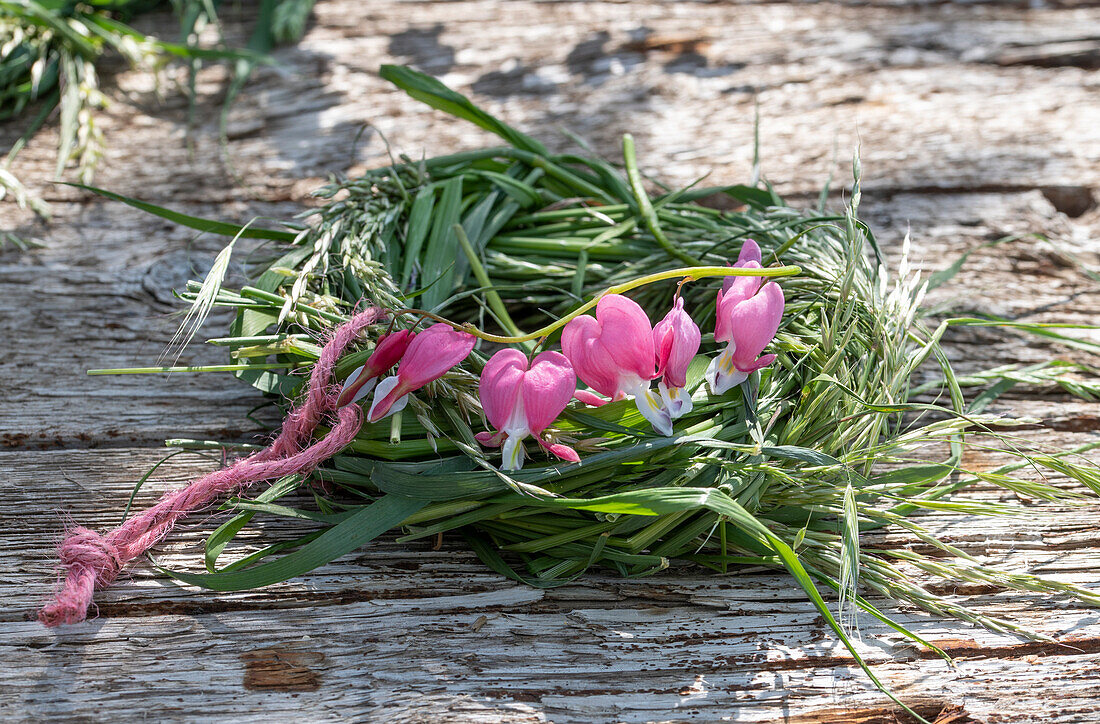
[[976, 121]]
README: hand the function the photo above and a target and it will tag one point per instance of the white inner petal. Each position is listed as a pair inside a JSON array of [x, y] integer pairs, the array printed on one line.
[[364, 390], [652, 408], [512, 452], [384, 388], [516, 424], [677, 400], [352, 378], [515, 429], [722, 375]]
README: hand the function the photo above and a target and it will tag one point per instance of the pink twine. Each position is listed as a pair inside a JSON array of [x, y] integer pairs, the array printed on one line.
[[93, 561]]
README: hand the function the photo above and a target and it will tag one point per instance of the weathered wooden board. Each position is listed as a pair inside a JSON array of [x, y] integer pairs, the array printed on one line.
[[975, 122], [432, 635]]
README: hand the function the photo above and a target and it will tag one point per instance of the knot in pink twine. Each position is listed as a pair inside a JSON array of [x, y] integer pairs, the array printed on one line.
[[93, 561], [84, 547]]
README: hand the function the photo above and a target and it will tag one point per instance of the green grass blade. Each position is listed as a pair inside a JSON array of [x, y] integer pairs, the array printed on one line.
[[438, 263], [428, 90], [227, 531], [193, 222], [372, 521]]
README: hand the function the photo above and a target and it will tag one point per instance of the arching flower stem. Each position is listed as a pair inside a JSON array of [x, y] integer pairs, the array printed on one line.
[[690, 273]]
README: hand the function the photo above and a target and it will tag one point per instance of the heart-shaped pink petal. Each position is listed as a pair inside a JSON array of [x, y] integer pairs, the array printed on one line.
[[614, 351], [500, 384], [676, 340], [547, 388], [754, 323]]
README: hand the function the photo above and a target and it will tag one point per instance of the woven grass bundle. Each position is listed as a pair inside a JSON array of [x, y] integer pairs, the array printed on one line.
[[786, 470]]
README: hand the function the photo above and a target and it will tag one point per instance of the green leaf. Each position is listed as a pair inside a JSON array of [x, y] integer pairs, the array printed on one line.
[[988, 395], [612, 179], [483, 512], [759, 198], [454, 478], [372, 521], [227, 531], [526, 196], [193, 222], [252, 322], [913, 475], [392, 478], [420, 222], [428, 90], [438, 264], [493, 560], [278, 547]]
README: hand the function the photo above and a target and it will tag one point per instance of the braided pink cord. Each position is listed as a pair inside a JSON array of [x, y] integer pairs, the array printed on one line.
[[93, 561]]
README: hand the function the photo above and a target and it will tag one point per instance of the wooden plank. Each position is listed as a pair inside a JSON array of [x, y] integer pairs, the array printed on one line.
[[591, 663], [105, 310], [939, 96], [486, 657], [446, 639]]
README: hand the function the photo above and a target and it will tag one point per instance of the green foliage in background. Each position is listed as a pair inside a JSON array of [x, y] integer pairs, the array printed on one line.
[[49, 50]]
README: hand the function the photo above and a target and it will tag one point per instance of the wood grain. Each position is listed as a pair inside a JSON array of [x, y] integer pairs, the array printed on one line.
[[975, 122]]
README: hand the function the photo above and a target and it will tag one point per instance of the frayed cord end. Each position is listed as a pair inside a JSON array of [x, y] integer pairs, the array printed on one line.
[[91, 561]]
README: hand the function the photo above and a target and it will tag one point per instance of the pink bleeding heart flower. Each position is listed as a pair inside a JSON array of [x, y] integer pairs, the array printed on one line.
[[613, 354], [748, 316], [521, 401], [750, 252], [386, 354], [676, 339], [428, 357]]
